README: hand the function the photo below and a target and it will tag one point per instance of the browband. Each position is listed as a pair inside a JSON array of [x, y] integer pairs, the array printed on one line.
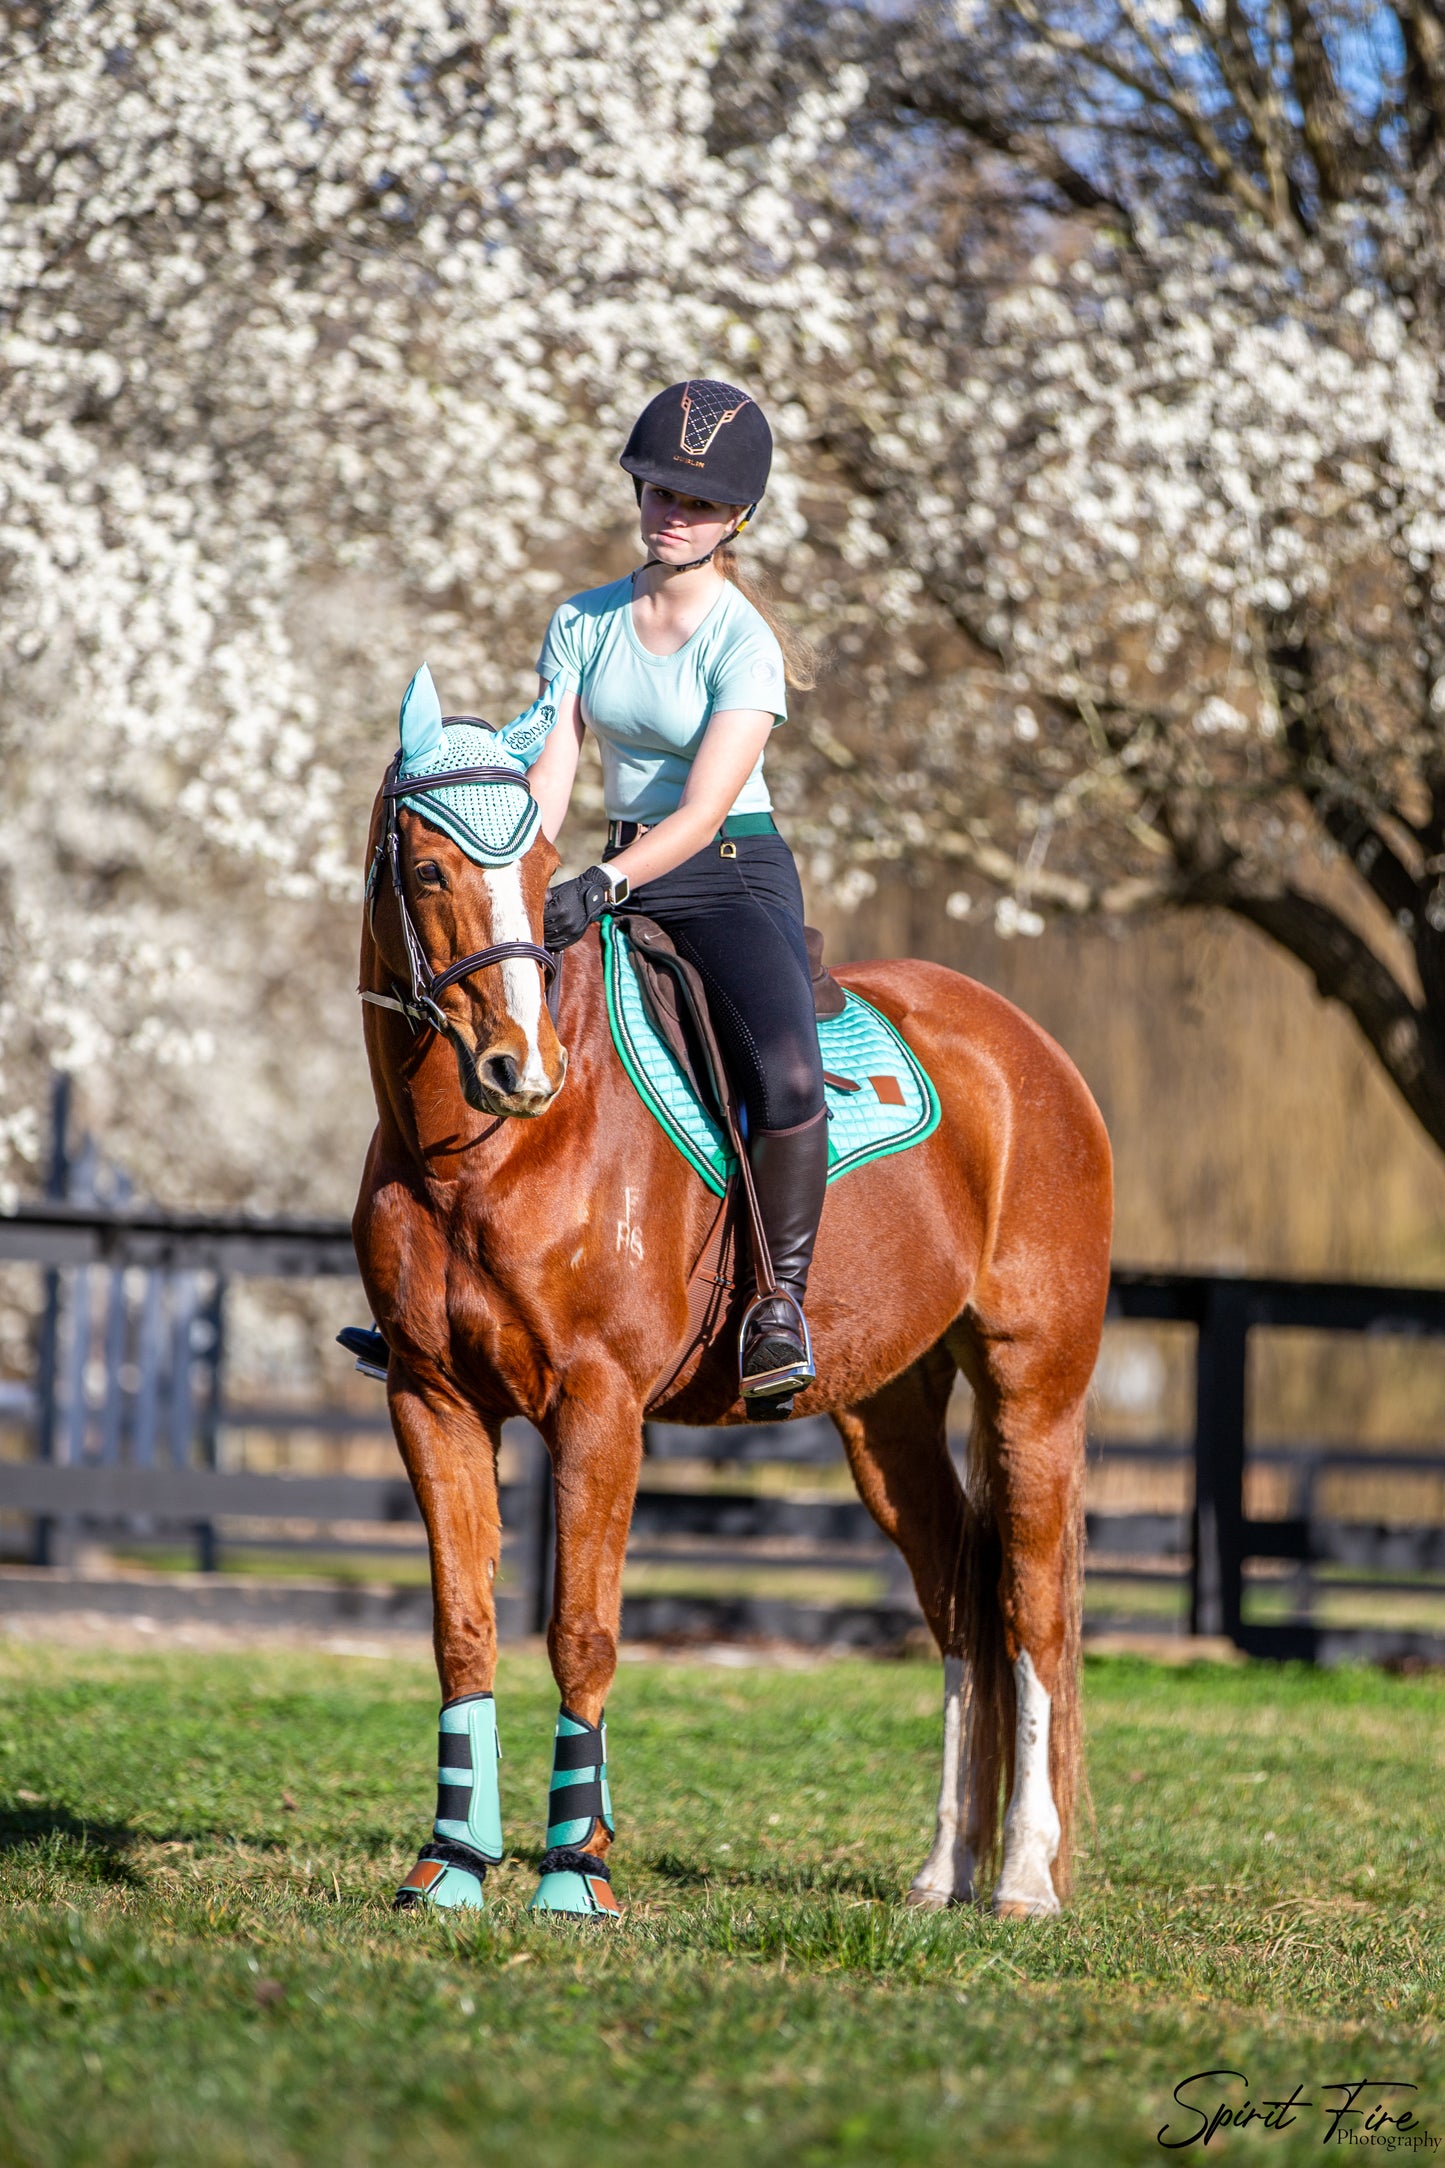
[[413, 786]]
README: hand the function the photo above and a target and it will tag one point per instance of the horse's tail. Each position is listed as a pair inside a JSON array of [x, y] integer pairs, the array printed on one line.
[[991, 1703], [1066, 1729]]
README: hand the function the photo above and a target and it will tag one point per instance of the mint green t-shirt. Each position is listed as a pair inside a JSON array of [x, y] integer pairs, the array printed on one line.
[[649, 712]]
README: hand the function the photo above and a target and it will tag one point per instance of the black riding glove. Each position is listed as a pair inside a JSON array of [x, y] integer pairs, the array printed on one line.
[[571, 907]]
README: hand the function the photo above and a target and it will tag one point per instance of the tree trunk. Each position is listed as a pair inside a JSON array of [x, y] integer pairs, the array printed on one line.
[[1408, 1039]]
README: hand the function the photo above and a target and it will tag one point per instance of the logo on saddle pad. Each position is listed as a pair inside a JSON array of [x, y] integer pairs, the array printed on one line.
[[494, 823]]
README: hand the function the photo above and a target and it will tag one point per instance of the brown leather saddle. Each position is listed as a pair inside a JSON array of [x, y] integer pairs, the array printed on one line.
[[675, 999]]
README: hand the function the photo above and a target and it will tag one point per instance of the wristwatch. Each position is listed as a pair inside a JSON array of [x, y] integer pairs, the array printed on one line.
[[619, 888]]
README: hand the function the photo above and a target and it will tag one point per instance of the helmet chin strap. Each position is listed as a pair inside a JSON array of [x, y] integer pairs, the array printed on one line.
[[721, 544]]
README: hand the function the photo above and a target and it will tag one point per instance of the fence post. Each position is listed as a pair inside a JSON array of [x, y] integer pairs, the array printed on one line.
[[211, 1321], [1217, 1565], [45, 1538]]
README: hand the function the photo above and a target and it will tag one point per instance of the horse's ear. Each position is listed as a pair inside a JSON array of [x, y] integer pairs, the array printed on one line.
[[526, 734], [421, 718]]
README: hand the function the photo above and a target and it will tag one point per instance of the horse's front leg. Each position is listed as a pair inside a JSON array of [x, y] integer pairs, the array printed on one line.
[[595, 1437], [450, 1451]]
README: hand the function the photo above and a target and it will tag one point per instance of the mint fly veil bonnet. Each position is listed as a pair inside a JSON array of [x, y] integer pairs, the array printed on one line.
[[493, 822]]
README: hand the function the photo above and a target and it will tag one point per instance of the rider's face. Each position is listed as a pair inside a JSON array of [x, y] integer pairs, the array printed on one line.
[[678, 529]]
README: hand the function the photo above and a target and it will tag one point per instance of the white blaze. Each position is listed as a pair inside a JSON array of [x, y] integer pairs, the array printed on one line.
[[521, 979]]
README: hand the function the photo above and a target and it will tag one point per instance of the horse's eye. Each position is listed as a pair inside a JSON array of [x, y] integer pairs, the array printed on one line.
[[430, 874]]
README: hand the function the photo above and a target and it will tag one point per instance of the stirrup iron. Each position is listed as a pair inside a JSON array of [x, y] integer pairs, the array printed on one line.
[[370, 1349], [787, 1378]]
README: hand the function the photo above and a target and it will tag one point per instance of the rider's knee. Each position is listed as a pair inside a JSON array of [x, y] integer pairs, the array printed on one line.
[[794, 1089]]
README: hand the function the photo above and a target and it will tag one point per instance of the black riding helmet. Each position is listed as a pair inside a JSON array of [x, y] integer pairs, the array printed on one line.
[[702, 439]]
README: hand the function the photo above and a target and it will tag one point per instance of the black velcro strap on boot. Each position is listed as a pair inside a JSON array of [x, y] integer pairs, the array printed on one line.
[[574, 1753], [579, 1802]]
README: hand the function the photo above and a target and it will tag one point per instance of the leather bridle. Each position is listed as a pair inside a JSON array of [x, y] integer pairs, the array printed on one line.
[[421, 1009]]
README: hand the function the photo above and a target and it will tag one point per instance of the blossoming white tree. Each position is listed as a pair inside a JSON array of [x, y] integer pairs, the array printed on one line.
[[293, 300], [1107, 334], [1145, 393]]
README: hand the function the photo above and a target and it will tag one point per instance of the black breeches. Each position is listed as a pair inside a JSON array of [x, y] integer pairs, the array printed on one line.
[[740, 921]]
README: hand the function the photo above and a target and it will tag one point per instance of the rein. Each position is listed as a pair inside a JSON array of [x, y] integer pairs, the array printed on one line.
[[422, 1010]]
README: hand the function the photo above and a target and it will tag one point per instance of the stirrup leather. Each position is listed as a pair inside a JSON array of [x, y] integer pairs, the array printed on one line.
[[788, 1377]]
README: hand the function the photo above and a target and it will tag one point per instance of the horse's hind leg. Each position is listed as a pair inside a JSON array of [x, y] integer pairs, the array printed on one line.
[[1026, 1478], [897, 1446]]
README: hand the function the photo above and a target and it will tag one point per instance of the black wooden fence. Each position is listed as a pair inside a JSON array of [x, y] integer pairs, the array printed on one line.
[[127, 1427]]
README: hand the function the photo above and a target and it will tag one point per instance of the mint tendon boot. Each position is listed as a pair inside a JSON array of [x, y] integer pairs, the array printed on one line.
[[467, 1834], [575, 1879]]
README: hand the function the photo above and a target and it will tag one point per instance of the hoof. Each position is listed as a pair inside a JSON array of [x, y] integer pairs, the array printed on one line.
[[576, 1896], [439, 1883], [942, 1900], [1027, 1908]]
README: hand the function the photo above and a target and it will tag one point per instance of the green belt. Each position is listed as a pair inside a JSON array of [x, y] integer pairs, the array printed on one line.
[[736, 824]]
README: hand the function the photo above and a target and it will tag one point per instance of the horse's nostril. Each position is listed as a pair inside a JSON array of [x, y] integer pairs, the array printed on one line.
[[500, 1072]]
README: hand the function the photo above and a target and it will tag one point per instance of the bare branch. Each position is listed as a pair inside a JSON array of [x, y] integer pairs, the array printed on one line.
[[1061, 892], [1424, 36], [1254, 96], [1204, 136], [1326, 119], [1338, 805], [932, 101], [1404, 1038]]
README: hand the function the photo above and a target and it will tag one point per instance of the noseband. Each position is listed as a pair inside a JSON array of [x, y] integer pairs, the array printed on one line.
[[421, 1009]]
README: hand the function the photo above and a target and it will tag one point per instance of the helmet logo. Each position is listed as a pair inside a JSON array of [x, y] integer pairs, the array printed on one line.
[[705, 410]]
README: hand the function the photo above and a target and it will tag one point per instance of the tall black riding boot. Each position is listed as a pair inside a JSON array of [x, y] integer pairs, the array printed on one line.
[[790, 1173]]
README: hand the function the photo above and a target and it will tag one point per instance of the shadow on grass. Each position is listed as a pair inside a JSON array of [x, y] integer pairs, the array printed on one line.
[[65, 1844], [684, 1873], [814, 1879]]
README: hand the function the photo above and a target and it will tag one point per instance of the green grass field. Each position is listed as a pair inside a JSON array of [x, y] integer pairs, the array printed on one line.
[[199, 1965]]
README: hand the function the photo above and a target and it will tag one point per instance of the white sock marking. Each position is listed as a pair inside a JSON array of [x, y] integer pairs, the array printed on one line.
[[1031, 1825], [947, 1873], [521, 979]]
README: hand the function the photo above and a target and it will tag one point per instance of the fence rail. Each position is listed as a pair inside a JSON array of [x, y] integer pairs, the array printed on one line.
[[135, 1298]]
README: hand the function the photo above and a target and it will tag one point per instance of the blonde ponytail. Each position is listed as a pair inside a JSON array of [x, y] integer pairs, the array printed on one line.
[[800, 657]]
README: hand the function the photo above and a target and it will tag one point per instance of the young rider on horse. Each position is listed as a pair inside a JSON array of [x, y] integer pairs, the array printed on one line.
[[682, 677]]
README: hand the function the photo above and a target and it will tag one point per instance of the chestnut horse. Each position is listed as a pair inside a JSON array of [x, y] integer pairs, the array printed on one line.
[[532, 1247]]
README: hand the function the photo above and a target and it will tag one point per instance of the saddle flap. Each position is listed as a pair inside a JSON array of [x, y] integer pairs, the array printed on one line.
[[828, 995], [675, 999]]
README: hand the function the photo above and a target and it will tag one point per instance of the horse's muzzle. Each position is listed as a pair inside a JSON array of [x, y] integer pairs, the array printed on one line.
[[495, 1083]]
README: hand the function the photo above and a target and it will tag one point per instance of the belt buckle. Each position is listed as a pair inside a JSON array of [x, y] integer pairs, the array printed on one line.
[[727, 849]]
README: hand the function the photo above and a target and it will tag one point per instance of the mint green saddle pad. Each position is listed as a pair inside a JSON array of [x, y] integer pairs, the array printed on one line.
[[895, 1105]]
